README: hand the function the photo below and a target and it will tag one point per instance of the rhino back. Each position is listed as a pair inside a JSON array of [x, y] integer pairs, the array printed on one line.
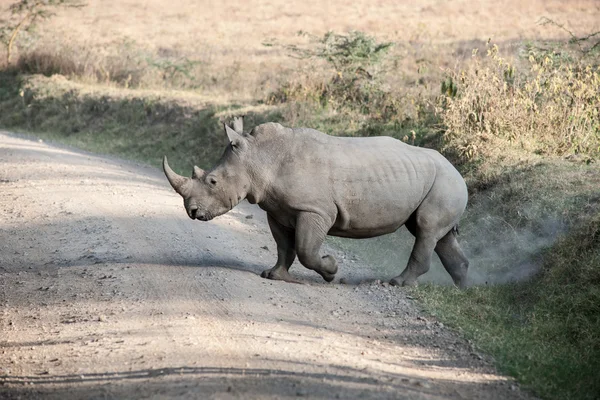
[[367, 186]]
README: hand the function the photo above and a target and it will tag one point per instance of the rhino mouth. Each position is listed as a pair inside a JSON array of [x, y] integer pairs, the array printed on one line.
[[195, 213], [205, 217]]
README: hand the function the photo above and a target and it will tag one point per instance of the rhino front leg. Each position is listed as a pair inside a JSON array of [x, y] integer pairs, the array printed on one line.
[[311, 229], [418, 263], [286, 254]]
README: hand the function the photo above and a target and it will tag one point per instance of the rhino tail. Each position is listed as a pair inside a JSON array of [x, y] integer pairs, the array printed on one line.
[[455, 230]]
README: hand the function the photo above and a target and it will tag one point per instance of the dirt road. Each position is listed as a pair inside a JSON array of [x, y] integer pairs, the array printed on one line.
[[108, 290]]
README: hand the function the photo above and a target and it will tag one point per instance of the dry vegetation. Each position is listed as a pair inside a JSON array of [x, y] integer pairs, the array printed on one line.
[[519, 114], [217, 47], [549, 107]]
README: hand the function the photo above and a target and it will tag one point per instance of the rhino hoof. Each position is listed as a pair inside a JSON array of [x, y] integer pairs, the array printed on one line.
[[329, 268], [395, 282], [402, 282], [461, 283], [329, 265]]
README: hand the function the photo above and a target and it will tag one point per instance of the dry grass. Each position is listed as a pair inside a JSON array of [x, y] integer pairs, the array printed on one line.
[[236, 29], [547, 106], [216, 47]]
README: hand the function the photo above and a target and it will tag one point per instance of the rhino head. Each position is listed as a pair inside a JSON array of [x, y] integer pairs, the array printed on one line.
[[208, 194]]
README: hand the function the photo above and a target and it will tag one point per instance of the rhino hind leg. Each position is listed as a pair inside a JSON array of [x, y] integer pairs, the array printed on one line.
[[453, 259], [418, 263], [311, 230], [286, 254], [433, 224]]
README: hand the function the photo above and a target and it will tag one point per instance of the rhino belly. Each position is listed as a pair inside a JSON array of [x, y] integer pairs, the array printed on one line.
[[362, 219], [364, 233]]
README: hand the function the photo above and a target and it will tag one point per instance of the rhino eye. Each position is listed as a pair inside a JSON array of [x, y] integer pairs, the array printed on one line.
[[212, 181]]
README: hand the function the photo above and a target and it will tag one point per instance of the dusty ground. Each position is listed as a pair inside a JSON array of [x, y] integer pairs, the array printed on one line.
[[108, 290]]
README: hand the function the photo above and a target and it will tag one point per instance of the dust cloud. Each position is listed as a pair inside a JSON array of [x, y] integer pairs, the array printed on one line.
[[498, 252]]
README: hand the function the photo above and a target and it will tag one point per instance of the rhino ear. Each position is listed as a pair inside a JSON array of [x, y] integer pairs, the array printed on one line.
[[198, 172], [238, 124], [234, 137]]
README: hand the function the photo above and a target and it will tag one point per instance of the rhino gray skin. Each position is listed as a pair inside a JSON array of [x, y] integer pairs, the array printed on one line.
[[312, 185]]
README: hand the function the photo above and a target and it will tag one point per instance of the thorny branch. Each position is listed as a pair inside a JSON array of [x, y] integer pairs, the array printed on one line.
[[574, 39]]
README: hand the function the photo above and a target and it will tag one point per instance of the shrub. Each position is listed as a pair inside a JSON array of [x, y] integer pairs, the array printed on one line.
[[354, 82], [353, 96], [550, 108]]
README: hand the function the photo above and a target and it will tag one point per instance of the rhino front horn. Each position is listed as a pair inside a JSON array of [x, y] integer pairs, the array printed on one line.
[[181, 184]]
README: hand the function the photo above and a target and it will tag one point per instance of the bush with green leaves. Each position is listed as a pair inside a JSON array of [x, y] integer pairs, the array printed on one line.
[[347, 54], [354, 59]]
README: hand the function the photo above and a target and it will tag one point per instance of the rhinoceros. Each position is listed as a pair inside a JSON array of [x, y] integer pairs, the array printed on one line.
[[312, 185]]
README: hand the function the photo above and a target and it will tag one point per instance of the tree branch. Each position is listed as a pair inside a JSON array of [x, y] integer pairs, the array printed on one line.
[[15, 31]]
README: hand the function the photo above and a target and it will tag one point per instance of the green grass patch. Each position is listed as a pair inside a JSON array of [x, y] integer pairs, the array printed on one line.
[[527, 337], [543, 331]]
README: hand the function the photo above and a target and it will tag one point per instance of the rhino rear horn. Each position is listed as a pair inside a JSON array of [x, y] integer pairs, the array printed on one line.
[[234, 137], [181, 184], [238, 124], [198, 172]]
